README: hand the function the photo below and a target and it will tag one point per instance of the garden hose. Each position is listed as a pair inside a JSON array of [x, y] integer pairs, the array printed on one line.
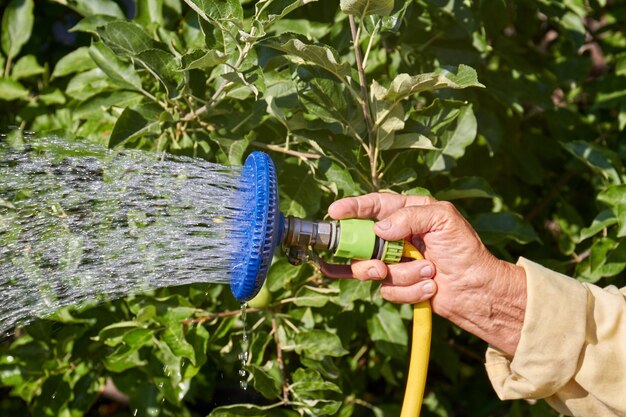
[[420, 349], [259, 228]]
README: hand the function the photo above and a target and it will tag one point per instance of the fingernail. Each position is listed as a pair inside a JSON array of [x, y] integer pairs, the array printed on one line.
[[383, 225], [373, 273], [428, 288], [427, 271]]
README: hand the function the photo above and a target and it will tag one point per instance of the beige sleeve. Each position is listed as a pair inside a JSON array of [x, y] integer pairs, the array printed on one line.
[[572, 350]]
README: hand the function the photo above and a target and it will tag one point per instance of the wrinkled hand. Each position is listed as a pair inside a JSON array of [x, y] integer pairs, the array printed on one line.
[[465, 282]]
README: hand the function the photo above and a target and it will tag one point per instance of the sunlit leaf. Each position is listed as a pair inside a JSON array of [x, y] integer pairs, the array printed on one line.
[[17, 25]]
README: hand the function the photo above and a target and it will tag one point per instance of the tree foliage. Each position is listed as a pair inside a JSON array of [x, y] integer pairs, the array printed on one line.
[[512, 110]]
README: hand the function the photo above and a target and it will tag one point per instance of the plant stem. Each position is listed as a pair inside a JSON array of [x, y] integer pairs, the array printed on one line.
[[280, 149], [242, 55], [279, 359], [372, 151]]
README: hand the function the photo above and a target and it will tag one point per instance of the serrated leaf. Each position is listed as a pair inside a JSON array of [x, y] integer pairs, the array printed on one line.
[[405, 85], [367, 7], [131, 125], [164, 67], [218, 10], [322, 56], [11, 90], [122, 73], [17, 26], [126, 38], [499, 228]]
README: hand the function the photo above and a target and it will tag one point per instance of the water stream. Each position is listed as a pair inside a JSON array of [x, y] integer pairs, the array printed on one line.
[[80, 223]]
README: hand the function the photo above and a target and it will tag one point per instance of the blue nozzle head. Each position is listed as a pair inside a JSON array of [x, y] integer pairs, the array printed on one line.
[[257, 228]]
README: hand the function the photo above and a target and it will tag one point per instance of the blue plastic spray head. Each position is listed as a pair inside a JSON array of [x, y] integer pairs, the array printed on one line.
[[258, 226]]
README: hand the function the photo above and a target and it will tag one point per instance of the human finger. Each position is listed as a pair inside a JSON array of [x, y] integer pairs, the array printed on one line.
[[373, 206], [372, 269], [409, 273], [411, 294], [418, 220]]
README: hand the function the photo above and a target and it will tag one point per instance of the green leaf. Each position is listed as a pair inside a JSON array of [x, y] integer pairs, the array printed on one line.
[[299, 193], [600, 159], [367, 7], [603, 220], [453, 142], [251, 410], [126, 38], [164, 67], [200, 59], [269, 12], [104, 101], [87, 84], [317, 344], [498, 228], [90, 24], [615, 197], [17, 26], [410, 141], [51, 96], [91, 8], [321, 397], [78, 60], [467, 187], [320, 55], [149, 12], [388, 116], [405, 85], [131, 125], [267, 380], [25, 67], [218, 10], [11, 90], [388, 330], [122, 73]]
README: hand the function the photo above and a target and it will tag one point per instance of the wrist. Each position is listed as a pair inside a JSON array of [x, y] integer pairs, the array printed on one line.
[[492, 303]]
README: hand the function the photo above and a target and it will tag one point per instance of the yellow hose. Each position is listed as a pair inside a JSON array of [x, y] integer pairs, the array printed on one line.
[[420, 349]]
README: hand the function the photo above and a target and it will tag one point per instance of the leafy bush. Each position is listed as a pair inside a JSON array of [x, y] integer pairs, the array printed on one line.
[[534, 160]]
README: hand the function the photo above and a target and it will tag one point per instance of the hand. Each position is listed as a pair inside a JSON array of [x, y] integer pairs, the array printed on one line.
[[474, 289]]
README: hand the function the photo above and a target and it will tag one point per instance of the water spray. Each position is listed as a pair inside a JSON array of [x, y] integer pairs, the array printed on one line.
[[263, 228]]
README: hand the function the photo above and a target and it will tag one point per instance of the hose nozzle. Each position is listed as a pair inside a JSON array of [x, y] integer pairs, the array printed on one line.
[[349, 238]]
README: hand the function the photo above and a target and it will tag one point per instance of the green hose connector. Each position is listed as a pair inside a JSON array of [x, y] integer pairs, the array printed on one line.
[[392, 253], [357, 239]]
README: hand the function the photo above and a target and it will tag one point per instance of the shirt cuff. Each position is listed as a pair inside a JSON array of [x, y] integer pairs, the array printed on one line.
[[553, 335]]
